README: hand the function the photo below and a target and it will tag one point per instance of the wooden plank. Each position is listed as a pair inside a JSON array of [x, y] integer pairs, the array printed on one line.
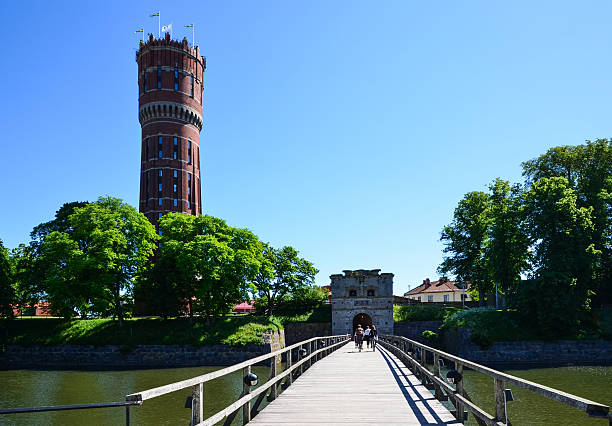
[[349, 386]]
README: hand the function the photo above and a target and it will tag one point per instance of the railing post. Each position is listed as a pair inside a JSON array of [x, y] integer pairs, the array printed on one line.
[[290, 376], [500, 412], [197, 403], [127, 415], [436, 360], [459, 387], [300, 358], [246, 389], [274, 390]]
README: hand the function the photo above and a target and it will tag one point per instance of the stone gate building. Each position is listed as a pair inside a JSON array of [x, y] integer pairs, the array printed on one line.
[[362, 297]]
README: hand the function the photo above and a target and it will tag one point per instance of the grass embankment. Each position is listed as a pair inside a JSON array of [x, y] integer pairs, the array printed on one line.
[[235, 330], [490, 325], [422, 313]]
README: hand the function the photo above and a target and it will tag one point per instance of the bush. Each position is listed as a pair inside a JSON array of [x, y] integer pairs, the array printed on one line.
[[422, 313], [302, 301]]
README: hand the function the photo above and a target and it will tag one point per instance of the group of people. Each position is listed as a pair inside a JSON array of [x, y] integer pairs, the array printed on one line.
[[370, 335]]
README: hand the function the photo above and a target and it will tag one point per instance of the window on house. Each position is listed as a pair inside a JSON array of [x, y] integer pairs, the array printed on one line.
[[464, 296], [192, 86], [430, 298], [159, 78], [176, 79], [446, 297], [352, 292]]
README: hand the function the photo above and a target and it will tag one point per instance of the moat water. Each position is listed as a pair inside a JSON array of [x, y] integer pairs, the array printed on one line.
[[19, 388]]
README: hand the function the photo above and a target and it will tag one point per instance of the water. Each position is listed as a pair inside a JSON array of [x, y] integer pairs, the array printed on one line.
[[19, 388], [594, 383], [27, 388]]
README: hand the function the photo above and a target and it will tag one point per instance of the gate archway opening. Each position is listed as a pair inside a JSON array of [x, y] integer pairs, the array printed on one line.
[[363, 319]]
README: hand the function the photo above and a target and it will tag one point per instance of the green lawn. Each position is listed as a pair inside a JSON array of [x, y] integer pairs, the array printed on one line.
[[422, 313], [235, 330]]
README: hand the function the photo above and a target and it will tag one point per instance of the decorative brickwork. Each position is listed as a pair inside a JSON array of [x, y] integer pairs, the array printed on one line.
[[170, 88]]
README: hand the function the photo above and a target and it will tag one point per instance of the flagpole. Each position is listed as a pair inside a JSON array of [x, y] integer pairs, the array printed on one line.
[[170, 29], [159, 24], [193, 35]]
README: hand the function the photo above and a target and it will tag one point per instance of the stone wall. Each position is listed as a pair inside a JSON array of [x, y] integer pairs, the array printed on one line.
[[297, 331], [141, 356], [528, 354], [413, 329]]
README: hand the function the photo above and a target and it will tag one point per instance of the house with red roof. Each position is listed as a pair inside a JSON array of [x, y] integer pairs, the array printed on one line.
[[244, 308], [441, 291]]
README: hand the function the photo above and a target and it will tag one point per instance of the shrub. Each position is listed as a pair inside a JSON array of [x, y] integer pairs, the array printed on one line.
[[422, 313]]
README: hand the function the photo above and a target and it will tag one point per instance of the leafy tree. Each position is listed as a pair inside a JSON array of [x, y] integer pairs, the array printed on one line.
[[60, 223], [588, 170], [465, 241], [283, 273], [204, 263], [7, 294], [28, 290], [563, 254], [506, 253], [91, 265]]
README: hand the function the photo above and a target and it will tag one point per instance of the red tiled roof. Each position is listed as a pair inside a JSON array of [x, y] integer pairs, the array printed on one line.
[[439, 286]]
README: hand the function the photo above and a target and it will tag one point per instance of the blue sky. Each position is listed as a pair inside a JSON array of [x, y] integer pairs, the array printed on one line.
[[347, 129]]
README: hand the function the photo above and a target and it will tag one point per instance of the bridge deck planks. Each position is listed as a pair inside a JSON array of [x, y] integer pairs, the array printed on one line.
[[369, 388]]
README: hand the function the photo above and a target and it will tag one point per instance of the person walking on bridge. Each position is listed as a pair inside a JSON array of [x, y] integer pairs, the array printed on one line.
[[367, 336], [359, 337], [374, 337]]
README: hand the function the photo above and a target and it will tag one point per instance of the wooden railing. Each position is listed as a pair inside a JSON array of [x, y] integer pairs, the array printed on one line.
[[414, 355], [299, 357]]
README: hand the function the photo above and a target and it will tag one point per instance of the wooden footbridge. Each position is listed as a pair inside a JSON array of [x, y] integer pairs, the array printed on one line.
[[326, 380]]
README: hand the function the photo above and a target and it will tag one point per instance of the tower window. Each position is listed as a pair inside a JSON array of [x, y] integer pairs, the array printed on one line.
[[159, 187], [175, 202], [175, 174], [188, 204], [145, 81], [176, 79], [160, 147], [159, 215], [160, 173], [159, 202], [147, 149], [192, 85], [189, 152], [370, 292], [352, 292], [175, 187], [159, 78]]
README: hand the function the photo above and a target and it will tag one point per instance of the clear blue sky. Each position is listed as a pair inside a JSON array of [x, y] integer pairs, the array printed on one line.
[[347, 129]]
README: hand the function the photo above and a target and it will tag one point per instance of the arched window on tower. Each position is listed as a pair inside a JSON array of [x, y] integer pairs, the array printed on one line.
[[371, 292], [352, 293]]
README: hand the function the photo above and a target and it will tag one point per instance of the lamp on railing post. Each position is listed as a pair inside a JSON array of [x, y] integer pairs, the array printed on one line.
[[508, 397]]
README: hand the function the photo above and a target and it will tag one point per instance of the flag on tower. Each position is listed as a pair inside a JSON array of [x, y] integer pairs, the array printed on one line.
[[154, 14], [167, 28], [189, 26], [139, 31]]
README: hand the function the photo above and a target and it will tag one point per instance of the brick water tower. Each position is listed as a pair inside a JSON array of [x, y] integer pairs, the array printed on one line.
[[170, 92]]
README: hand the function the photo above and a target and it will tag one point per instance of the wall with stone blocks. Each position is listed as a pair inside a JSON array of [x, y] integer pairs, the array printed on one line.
[[298, 331], [413, 329], [528, 354]]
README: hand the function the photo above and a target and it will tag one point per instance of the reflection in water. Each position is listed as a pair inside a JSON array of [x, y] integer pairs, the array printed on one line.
[[27, 388]]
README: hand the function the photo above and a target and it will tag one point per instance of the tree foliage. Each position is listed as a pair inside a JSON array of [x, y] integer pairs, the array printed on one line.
[[7, 294]]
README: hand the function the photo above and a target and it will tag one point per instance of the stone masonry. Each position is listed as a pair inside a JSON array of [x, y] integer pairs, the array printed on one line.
[[362, 295]]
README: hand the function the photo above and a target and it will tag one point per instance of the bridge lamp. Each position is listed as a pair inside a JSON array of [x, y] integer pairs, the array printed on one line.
[[322, 343], [303, 352], [251, 379], [454, 377]]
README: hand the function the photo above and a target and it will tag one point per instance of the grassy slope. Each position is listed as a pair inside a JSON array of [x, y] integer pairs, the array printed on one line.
[[422, 313], [235, 330]]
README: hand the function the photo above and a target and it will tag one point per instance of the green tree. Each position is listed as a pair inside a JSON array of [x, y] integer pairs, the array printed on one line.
[[506, 253], [28, 290], [563, 256], [588, 170], [60, 223], [284, 274], [214, 264], [7, 293], [465, 241]]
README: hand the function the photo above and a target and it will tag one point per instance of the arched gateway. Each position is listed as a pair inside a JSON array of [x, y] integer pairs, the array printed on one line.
[[362, 297]]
